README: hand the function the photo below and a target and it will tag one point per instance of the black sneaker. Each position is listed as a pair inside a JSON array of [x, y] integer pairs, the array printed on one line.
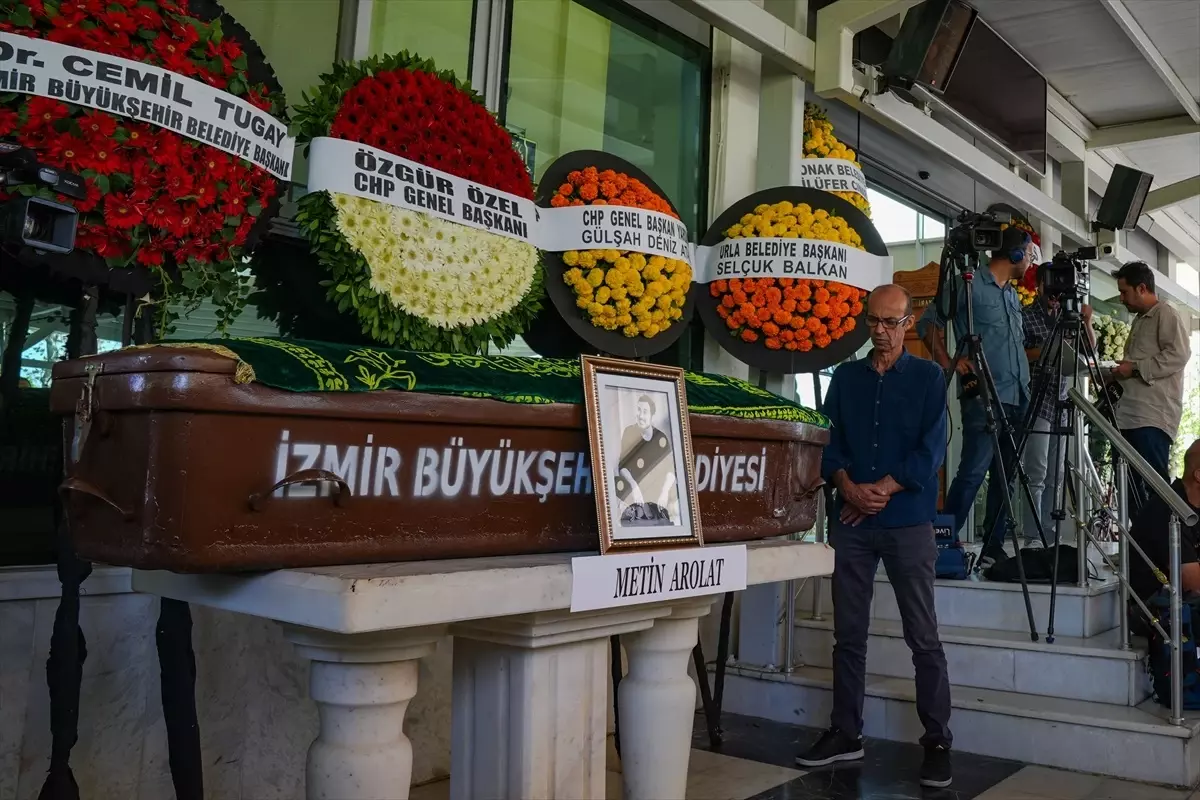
[[833, 746], [935, 769]]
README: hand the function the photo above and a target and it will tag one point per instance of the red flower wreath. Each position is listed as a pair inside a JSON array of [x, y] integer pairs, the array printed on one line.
[[421, 116], [404, 105], [154, 198]]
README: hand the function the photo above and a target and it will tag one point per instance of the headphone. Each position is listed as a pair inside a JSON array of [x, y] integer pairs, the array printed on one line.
[[1015, 249]]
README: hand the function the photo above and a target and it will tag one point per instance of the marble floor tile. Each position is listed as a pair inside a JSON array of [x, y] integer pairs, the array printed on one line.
[[1044, 782], [1113, 789], [710, 777]]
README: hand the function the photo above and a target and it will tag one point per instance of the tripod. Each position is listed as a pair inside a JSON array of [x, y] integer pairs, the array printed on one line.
[[996, 423], [1069, 329]]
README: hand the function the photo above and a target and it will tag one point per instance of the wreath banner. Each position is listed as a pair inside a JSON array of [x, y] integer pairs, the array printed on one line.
[[792, 258], [832, 175], [146, 93], [616, 228], [345, 167], [351, 168]]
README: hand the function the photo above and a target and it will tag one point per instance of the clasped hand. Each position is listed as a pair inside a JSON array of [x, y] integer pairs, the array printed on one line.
[[862, 500]]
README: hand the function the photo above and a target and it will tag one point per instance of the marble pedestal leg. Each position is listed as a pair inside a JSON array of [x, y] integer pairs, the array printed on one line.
[[658, 702], [530, 706], [362, 684]]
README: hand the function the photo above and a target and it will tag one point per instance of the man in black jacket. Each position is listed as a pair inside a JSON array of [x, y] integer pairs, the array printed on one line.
[[1151, 531]]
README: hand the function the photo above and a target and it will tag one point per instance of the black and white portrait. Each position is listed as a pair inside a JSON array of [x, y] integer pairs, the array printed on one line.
[[645, 482], [639, 427]]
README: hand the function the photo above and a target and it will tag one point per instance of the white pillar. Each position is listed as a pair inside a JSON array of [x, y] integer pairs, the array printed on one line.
[[657, 700], [530, 707], [362, 684], [762, 633]]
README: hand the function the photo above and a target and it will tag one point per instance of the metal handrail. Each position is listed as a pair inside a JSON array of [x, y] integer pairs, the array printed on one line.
[[1134, 459], [1126, 456]]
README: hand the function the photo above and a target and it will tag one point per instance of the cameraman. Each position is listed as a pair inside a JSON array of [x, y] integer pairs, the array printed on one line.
[[1041, 448], [1150, 372], [999, 325]]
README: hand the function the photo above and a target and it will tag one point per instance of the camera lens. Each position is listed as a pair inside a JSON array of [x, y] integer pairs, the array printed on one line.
[[37, 225]]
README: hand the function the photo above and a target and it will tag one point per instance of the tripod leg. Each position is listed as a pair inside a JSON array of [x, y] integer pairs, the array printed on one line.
[[617, 670], [722, 651], [996, 419], [712, 717]]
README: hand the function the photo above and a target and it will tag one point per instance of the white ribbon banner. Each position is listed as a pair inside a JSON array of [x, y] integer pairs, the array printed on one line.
[[148, 94], [792, 258], [831, 175], [338, 165], [613, 227]]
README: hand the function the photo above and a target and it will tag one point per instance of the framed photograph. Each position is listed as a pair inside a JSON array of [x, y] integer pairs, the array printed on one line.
[[641, 454]]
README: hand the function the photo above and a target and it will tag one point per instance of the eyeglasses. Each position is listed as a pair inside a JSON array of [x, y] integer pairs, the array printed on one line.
[[891, 323]]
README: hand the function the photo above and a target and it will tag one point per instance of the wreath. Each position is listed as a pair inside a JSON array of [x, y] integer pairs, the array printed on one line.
[[819, 142], [623, 290], [179, 208], [412, 279], [790, 313], [1026, 285]]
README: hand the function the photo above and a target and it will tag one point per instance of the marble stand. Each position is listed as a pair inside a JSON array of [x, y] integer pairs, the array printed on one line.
[[531, 679]]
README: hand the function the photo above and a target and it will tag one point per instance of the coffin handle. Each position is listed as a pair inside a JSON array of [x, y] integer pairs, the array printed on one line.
[[808, 491], [304, 476], [83, 487]]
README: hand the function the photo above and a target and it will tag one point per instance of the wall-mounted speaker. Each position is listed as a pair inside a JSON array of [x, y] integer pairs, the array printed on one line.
[[1123, 199]]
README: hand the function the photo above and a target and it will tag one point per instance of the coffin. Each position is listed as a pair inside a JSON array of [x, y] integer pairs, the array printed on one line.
[[202, 459]]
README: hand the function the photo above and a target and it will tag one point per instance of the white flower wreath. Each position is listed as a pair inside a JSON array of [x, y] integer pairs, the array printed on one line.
[[445, 273]]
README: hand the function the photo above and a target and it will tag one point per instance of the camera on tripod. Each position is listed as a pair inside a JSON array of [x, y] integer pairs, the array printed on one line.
[[1066, 277], [977, 231], [45, 225]]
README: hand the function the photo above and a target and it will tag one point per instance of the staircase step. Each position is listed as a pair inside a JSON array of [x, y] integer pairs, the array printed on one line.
[[976, 603], [1094, 668], [1135, 743]]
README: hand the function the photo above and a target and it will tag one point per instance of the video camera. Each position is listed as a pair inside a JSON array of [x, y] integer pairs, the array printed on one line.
[[45, 225], [977, 231], [1066, 276]]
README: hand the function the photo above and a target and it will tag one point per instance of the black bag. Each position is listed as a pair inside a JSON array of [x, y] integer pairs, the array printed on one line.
[[1159, 654], [1039, 566]]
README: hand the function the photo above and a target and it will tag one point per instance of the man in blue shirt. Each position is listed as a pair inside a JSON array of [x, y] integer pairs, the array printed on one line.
[[999, 324], [887, 441]]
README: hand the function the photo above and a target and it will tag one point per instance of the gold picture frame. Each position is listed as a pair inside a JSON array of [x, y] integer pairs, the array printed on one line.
[[641, 452]]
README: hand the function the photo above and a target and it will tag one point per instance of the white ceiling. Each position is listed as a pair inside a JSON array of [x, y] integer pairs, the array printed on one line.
[[1090, 60]]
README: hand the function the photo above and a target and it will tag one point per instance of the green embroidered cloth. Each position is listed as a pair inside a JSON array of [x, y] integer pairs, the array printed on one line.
[[304, 366]]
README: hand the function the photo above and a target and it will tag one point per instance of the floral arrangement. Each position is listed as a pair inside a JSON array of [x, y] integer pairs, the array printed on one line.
[[178, 207], [412, 279], [819, 142], [622, 290], [1026, 285], [1112, 334], [790, 313]]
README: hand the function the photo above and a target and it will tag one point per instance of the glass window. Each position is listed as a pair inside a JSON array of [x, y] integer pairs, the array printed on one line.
[[582, 75], [895, 221], [1188, 277], [437, 29], [299, 41]]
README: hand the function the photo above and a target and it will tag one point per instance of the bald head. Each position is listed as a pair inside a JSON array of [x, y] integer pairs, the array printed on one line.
[[890, 300], [1191, 461]]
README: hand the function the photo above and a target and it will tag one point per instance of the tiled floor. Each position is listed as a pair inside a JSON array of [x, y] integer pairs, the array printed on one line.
[[756, 763], [889, 772]]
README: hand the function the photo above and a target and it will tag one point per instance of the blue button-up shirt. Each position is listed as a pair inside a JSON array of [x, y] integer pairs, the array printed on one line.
[[998, 321], [890, 424]]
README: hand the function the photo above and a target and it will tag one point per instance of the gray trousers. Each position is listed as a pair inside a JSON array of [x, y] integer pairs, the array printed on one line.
[[908, 556]]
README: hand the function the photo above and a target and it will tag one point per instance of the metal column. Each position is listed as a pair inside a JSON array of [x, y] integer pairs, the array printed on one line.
[[1176, 633], [1121, 473]]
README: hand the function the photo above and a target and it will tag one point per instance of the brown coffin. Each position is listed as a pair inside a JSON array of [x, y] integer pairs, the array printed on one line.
[[179, 462]]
